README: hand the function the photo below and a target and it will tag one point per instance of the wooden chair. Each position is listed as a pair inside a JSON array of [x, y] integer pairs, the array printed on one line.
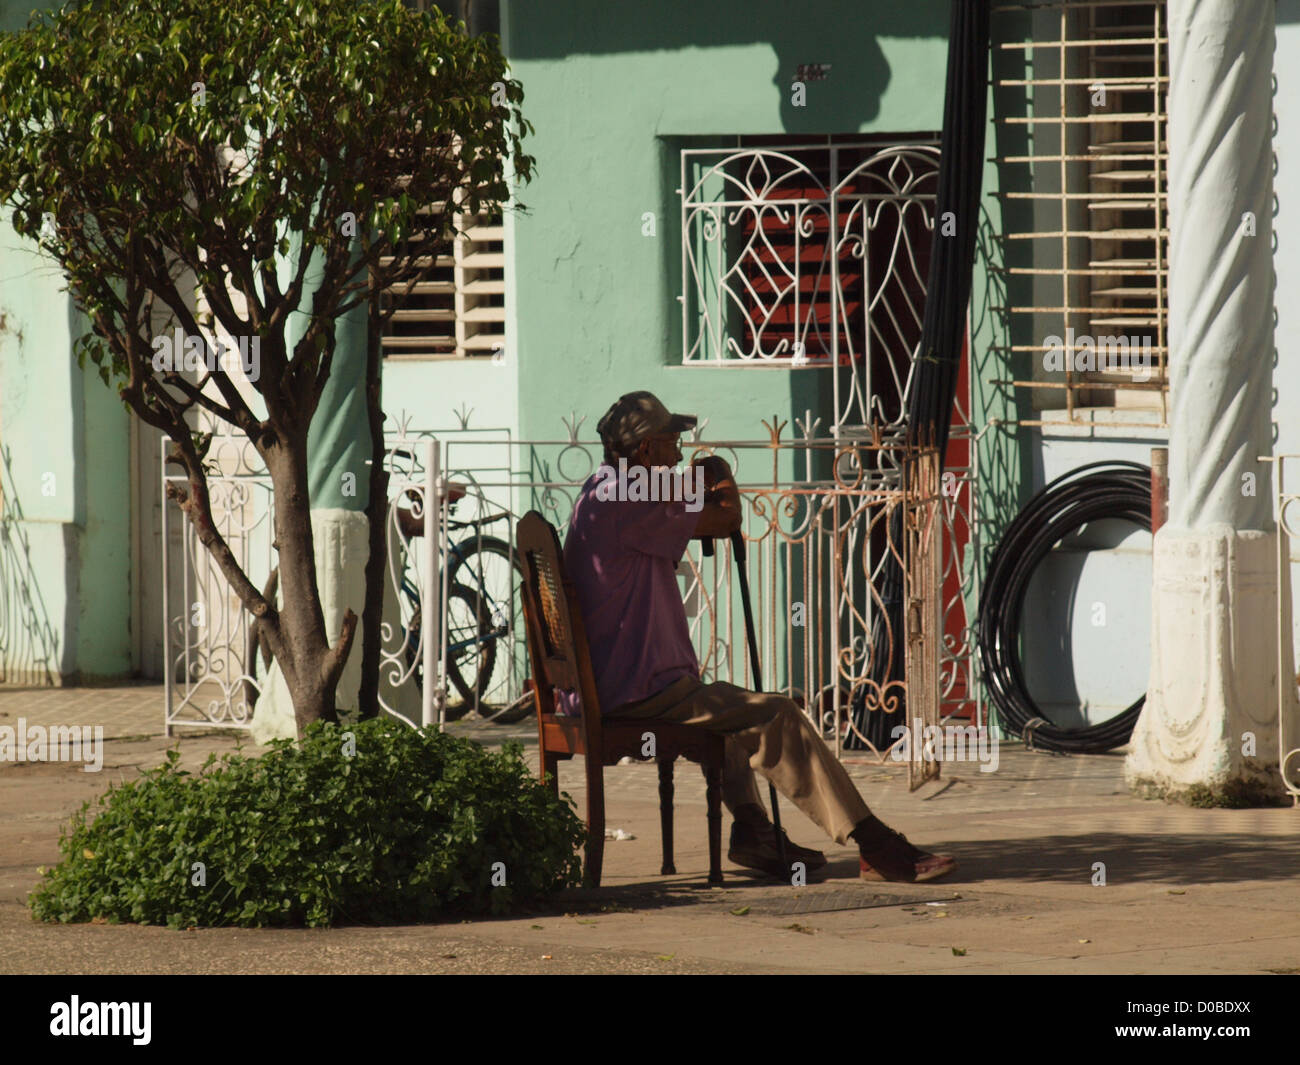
[[557, 643]]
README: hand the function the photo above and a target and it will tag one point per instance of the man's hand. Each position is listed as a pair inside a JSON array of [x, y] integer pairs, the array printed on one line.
[[719, 483], [721, 514]]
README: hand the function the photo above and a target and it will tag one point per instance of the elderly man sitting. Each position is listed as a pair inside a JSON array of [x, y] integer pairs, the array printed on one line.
[[621, 551]]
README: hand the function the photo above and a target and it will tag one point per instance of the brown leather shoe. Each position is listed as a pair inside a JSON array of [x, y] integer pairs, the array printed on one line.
[[754, 847]]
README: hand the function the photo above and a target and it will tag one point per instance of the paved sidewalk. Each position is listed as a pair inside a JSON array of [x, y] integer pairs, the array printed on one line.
[[1185, 890]]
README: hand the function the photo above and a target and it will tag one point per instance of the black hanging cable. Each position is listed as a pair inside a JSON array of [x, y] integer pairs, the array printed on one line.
[[943, 327], [1090, 493]]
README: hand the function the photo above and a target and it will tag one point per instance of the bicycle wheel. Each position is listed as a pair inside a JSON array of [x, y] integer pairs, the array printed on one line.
[[490, 566], [471, 653], [471, 648]]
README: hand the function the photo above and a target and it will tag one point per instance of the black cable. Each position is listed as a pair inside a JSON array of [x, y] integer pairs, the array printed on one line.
[[1111, 490], [933, 388]]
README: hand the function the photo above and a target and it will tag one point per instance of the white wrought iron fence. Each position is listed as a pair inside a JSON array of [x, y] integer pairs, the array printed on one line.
[[208, 673], [214, 673], [818, 521], [1287, 501]]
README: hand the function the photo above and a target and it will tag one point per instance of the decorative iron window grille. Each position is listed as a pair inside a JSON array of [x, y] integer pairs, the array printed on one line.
[[810, 256], [1083, 154]]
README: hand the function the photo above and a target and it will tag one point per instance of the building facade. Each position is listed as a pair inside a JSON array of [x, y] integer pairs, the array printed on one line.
[[702, 173]]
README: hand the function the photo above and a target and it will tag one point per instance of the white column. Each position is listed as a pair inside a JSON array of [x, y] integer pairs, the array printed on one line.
[[1214, 599]]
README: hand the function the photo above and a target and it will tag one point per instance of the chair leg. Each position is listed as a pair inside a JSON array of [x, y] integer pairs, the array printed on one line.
[[551, 772], [595, 855], [595, 822], [713, 796], [666, 814]]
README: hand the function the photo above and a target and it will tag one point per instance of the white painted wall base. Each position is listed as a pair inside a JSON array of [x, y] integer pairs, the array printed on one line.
[[342, 541], [1214, 614]]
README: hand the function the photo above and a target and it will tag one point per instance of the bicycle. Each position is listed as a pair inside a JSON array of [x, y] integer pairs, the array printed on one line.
[[484, 613], [484, 607]]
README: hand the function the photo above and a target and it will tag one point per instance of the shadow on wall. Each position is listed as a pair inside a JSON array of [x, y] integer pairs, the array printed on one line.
[[847, 37], [29, 644], [1011, 451], [1004, 465], [834, 32], [841, 35]]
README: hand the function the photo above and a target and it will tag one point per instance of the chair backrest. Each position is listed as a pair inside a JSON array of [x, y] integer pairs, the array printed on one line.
[[557, 641]]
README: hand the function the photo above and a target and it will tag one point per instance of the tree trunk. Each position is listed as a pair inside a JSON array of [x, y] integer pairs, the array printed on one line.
[[311, 667]]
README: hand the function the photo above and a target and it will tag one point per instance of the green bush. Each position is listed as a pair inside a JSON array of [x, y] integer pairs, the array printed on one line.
[[392, 824]]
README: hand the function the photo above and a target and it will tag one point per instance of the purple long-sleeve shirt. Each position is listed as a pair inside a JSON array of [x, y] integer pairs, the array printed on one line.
[[622, 556]]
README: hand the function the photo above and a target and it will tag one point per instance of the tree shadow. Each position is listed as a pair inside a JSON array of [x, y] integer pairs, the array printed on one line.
[[29, 644]]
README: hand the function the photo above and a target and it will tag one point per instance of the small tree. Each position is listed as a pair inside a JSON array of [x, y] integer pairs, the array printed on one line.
[[158, 149]]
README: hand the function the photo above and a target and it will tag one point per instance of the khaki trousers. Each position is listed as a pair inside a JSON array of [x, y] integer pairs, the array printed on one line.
[[766, 733]]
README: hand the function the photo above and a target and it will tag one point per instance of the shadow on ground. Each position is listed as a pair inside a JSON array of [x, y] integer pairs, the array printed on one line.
[[1219, 858]]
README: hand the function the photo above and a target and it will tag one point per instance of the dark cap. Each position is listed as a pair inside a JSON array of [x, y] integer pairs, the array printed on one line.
[[635, 416]]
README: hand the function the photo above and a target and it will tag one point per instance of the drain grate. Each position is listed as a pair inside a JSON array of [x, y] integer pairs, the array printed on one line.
[[840, 900]]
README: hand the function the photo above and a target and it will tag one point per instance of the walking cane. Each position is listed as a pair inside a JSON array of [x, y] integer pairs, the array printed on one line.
[[738, 553]]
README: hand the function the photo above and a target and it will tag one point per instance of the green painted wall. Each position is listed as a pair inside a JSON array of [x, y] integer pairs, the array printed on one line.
[[64, 471], [103, 601], [608, 87], [64, 446], [338, 444], [432, 391]]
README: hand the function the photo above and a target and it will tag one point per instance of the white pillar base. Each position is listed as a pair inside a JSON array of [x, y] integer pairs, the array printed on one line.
[[1213, 667], [342, 540]]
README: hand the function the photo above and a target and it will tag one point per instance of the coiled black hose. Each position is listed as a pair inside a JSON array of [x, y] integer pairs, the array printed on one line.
[[1090, 493]]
